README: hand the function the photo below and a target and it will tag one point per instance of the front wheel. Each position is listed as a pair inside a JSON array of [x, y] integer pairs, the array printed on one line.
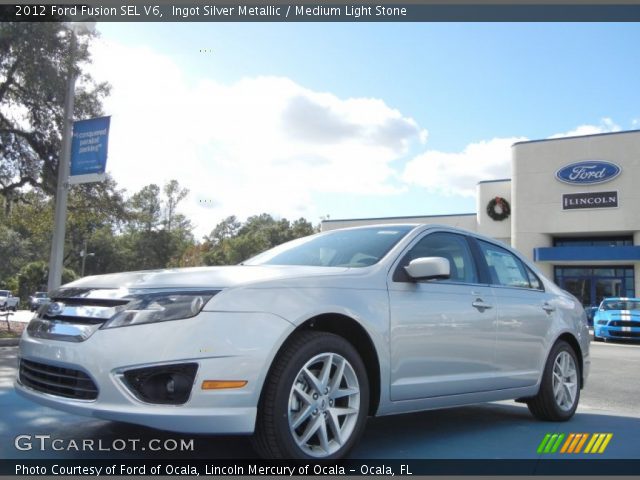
[[559, 392], [315, 400]]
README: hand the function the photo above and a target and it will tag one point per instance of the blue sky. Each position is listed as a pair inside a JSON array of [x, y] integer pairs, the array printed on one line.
[[459, 95]]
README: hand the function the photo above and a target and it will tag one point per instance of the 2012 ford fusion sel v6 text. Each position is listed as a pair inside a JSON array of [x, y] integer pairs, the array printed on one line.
[[301, 343]]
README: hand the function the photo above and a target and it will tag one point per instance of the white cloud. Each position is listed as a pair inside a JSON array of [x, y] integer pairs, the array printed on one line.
[[457, 173], [260, 144], [606, 126]]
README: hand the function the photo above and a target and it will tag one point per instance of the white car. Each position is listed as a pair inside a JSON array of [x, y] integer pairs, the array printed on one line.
[[8, 301], [37, 300], [300, 344]]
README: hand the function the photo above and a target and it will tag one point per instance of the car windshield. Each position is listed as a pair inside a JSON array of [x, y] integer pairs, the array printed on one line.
[[4, 293], [621, 305], [359, 247], [41, 295]]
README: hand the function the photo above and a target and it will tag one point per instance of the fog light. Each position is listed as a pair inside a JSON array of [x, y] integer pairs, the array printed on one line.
[[165, 384]]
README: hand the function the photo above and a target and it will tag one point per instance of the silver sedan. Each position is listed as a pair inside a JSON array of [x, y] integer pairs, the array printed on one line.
[[300, 344]]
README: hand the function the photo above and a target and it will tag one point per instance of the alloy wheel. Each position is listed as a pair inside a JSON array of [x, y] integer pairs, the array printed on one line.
[[565, 381], [324, 403]]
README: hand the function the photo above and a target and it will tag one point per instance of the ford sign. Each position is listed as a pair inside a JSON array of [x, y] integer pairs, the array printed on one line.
[[588, 172]]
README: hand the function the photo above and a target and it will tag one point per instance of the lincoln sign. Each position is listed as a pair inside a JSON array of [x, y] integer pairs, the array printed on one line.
[[573, 201], [588, 172]]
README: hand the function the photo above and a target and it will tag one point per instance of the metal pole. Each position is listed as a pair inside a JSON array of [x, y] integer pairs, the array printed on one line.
[[57, 243], [84, 257]]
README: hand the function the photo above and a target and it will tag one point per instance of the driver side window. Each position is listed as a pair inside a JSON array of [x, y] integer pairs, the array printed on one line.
[[451, 246]]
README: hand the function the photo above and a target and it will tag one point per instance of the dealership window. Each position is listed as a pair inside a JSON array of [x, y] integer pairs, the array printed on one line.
[[615, 241], [592, 284]]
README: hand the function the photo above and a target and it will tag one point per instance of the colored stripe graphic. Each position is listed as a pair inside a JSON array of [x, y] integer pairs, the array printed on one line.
[[568, 442], [584, 439], [543, 443], [608, 438], [597, 442]]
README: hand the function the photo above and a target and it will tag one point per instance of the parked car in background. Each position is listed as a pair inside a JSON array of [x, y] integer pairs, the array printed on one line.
[[300, 344], [37, 300], [617, 317], [591, 311], [8, 301]]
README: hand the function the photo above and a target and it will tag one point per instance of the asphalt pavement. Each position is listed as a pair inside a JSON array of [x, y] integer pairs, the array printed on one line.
[[502, 430]]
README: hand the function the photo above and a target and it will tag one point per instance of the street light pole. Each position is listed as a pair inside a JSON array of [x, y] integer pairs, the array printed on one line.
[[62, 191], [84, 256], [64, 161]]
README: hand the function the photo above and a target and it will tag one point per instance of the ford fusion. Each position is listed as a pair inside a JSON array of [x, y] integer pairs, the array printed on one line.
[[300, 344], [617, 318]]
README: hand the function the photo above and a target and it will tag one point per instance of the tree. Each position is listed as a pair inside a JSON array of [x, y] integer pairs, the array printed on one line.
[[15, 250], [145, 209], [156, 234], [231, 242], [33, 277], [34, 67], [174, 195]]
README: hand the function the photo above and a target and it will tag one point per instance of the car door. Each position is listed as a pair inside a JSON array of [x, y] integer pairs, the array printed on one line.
[[442, 332], [524, 315]]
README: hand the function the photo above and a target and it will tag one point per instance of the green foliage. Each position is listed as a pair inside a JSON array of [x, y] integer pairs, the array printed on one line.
[[115, 233], [34, 67], [33, 278], [231, 242]]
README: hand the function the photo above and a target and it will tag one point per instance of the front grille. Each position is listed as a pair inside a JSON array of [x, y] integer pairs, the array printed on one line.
[[63, 382], [624, 323], [625, 334]]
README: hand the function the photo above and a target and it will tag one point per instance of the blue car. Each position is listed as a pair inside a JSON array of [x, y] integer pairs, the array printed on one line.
[[617, 318]]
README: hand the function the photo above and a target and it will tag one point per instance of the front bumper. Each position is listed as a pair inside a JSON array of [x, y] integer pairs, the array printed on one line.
[[225, 346], [628, 333]]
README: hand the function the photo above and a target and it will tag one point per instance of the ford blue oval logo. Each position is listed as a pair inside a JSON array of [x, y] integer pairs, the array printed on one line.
[[588, 172], [54, 309]]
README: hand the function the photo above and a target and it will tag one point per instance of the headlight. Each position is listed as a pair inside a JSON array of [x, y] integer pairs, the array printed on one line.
[[160, 307]]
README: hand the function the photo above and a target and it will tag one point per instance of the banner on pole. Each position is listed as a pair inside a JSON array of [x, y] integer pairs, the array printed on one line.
[[89, 150]]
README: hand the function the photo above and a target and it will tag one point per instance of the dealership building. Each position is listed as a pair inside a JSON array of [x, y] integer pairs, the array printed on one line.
[[572, 205]]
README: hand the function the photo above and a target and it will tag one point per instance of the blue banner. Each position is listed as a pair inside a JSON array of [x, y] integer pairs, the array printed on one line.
[[89, 150]]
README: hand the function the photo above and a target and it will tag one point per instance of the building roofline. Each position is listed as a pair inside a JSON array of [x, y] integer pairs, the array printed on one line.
[[397, 218], [573, 137], [495, 181]]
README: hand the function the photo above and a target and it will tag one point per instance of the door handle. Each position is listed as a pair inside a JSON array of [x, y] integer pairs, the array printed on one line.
[[548, 308], [480, 305]]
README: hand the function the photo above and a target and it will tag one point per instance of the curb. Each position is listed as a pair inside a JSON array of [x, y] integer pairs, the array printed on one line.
[[9, 342]]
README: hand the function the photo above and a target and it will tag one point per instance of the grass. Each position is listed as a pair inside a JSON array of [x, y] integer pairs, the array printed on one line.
[[11, 334], [14, 332]]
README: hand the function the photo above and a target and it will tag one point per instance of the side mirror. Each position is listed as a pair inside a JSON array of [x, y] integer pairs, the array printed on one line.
[[428, 268]]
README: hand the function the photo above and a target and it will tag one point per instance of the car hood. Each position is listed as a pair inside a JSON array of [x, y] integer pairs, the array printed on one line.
[[618, 315], [203, 277]]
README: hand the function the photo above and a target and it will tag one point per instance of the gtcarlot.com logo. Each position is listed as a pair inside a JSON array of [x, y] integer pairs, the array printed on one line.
[[575, 442]]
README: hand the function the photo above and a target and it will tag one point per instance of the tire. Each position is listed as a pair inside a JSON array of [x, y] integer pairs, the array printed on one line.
[[562, 372], [298, 401]]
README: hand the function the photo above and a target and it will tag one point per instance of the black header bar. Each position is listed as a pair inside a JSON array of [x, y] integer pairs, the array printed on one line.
[[320, 12]]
